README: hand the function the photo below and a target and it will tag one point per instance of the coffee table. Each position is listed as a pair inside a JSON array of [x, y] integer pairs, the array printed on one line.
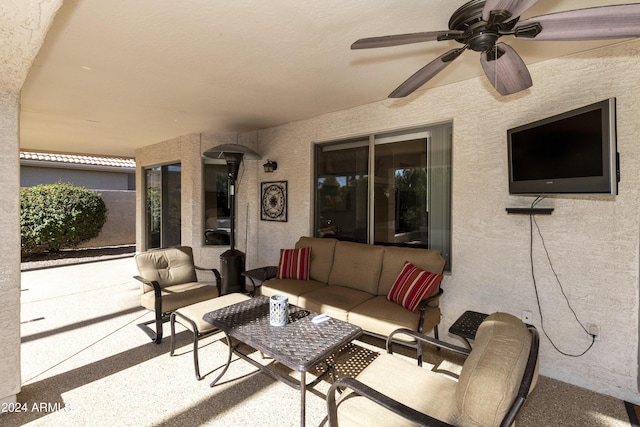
[[300, 345]]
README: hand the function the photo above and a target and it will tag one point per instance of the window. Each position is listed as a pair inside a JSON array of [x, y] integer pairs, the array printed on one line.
[[163, 206], [389, 189], [217, 225]]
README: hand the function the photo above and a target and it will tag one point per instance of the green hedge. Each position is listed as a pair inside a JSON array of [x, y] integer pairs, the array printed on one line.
[[59, 216]]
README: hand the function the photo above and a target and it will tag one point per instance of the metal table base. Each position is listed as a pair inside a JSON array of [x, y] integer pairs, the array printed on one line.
[[300, 345]]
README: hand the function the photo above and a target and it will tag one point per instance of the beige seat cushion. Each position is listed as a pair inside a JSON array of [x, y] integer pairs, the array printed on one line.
[[381, 316], [336, 301], [177, 296], [170, 266], [417, 387], [195, 312], [491, 375], [357, 266], [321, 259], [292, 288]]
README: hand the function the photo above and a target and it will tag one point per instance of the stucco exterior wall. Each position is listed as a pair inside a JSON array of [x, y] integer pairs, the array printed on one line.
[[187, 150], [10, 379], [23, 25], [592, 241]]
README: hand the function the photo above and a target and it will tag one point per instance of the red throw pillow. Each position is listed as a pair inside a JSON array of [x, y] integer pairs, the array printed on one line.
[[294, 264], [412, 286]]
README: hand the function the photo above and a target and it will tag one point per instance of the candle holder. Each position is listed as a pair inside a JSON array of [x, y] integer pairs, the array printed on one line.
[[278, 310]]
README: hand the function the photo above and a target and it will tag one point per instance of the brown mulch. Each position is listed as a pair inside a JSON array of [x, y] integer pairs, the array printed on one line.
[[75, 256]]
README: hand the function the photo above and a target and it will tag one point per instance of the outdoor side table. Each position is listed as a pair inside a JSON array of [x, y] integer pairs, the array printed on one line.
[[467, 325], [259, 275]]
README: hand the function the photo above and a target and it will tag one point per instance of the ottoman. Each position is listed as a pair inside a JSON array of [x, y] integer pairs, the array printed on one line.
[[191, 318]]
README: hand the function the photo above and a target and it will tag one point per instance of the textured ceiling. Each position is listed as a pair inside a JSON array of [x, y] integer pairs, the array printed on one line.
[[120, 74]]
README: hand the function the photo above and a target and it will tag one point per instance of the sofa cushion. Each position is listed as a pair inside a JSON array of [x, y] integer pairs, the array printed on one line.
[[381, 316], [336, 301], [491, 375], [412, 285], [357, 266], [294, 264], [321, 259], [395, 257], [429, 392], [290, 287]]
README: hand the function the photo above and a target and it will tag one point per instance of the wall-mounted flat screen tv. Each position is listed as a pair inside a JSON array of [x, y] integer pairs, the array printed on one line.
[[571, 153]]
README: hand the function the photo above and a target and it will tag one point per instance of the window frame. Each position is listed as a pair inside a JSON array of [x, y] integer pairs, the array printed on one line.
[[438, 164]]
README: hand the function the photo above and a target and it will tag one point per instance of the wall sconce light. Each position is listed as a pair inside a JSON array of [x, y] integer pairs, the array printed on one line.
[[270, 166]]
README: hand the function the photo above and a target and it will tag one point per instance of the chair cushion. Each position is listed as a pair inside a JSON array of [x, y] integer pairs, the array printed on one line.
[[170, 266], [176, 296], [290, 287], [417, 387], [294, 264], [412, 285], [195, 312], [381, 316], [491, 375]]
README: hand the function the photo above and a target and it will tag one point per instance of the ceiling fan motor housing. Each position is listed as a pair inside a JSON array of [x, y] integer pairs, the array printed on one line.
[[479, 35]]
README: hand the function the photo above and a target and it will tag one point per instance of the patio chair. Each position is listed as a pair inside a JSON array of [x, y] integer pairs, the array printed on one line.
[[496, 378], [168, 282]]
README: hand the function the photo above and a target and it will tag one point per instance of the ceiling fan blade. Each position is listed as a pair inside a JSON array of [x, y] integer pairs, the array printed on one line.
[[595, 23], [426, 73], [505, 69], [515, 8], [401, 39]]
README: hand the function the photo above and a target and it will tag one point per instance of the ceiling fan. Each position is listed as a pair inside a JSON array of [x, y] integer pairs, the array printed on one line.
[[478, 25]]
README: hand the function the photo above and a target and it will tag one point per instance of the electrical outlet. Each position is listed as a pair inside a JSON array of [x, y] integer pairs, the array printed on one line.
[[594, 330], [527, 316]]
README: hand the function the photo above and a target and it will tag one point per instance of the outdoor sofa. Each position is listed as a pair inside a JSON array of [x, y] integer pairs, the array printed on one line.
[[352, 282]]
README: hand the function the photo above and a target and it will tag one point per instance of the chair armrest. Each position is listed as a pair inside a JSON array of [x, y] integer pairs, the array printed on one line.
[[157, 290], [259, 275], [422, 307], [423, 304], [424, 339], [380, 399], [215, 273], [157, 293]]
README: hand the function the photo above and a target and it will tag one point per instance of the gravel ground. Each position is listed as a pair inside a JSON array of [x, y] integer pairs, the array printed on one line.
[[75, 256]]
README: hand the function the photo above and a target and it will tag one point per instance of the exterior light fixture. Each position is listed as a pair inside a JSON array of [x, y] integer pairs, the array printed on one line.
[[270, 166]]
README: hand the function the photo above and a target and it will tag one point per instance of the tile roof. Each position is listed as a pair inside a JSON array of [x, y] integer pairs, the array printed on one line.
[[79, 160]]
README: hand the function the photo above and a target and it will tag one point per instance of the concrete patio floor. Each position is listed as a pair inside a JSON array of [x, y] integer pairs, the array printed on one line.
[[86, 363]]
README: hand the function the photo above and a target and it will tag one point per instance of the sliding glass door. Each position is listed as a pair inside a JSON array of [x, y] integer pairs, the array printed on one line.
[[388, 189], [163, 206]]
